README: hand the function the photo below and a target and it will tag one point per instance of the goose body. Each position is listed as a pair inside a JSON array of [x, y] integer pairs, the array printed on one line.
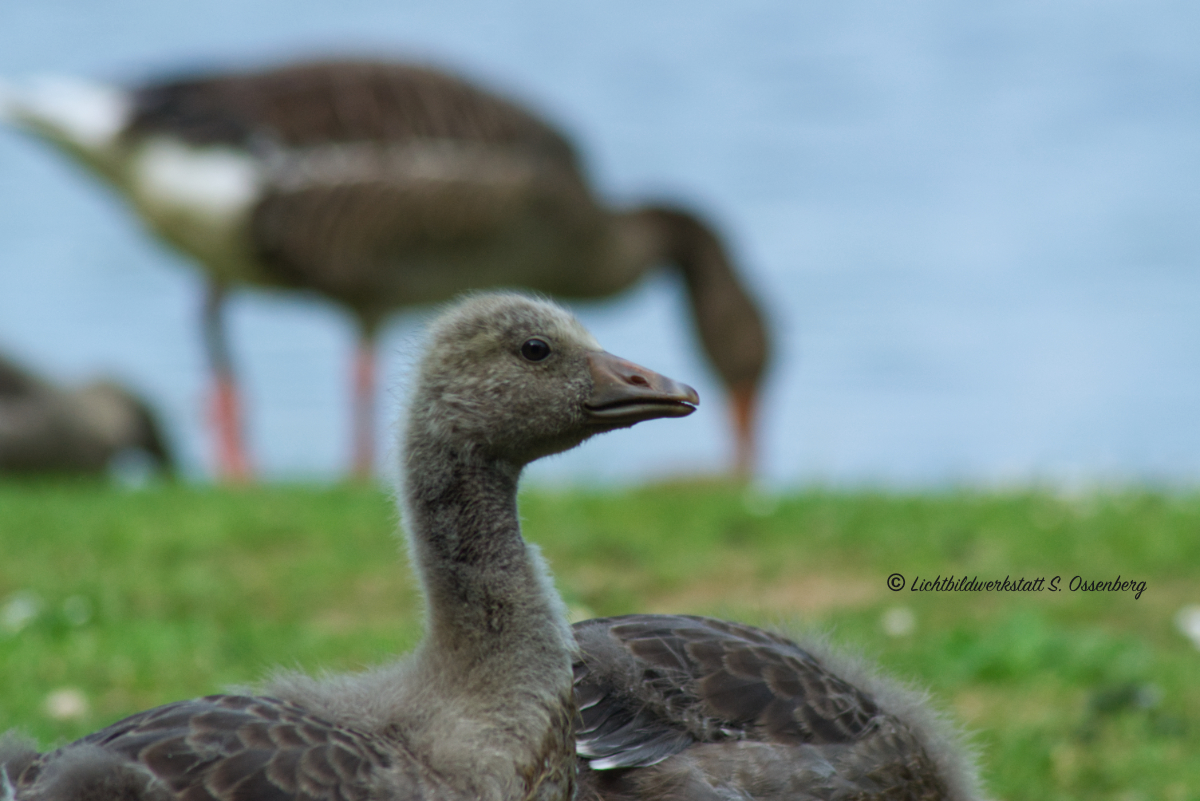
[[679, 707], [49, 429], [382, 185], [483, 709]]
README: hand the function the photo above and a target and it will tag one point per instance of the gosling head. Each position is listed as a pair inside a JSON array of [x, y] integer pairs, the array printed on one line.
[[517, 378]]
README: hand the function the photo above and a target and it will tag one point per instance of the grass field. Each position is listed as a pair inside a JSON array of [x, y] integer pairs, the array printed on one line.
[[112, 601]]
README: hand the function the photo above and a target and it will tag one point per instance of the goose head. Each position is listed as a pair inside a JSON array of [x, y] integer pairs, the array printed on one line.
[[515, 378], [727, 317]]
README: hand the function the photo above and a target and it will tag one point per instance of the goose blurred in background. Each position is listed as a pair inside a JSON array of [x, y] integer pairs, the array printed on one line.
[[49, 429], [382, 185]]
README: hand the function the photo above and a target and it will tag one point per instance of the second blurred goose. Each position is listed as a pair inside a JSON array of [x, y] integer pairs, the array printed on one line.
[[382, 185], [49, 429]]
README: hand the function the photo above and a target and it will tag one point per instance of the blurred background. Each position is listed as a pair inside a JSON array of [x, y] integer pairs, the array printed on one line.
[[973, 229]]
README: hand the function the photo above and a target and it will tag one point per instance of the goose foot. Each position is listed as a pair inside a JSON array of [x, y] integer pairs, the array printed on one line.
[[233, 466]]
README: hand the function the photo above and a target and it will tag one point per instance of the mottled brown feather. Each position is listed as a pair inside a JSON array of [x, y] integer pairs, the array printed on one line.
[[675, 707], [237, 748], [739, 681]]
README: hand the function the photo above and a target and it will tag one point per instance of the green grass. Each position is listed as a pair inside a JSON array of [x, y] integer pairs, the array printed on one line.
[[140, 598]]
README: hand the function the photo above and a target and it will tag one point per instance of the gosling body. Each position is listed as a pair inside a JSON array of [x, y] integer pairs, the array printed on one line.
[[483, 709]]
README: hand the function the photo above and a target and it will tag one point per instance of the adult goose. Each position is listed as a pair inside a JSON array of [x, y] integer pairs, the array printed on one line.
[[382, 185], [483, 708], [50, 429], [675, 707]]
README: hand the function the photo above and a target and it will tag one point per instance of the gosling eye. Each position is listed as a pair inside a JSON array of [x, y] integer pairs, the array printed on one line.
[[535, 349]]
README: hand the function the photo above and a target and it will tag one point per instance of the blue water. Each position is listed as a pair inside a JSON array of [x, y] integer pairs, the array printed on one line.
[[974, 226]]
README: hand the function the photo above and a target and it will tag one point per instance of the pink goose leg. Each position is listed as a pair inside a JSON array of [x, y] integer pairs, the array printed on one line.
[[744, 407], [233, 466], [363, 463]]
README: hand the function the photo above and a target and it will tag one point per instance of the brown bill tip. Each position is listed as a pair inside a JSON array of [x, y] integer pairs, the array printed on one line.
[[624, 393]]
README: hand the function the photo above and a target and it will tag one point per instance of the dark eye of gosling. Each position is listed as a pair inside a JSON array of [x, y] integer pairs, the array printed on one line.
[[535, 349]]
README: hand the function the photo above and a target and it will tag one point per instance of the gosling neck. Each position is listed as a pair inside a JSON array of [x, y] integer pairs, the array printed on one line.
[[492, 614]]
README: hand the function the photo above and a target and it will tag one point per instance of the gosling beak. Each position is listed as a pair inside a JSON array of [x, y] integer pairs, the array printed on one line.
[[624, 393]]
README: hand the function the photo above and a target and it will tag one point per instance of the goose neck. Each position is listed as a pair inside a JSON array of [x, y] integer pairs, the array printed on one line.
[[488, 597]]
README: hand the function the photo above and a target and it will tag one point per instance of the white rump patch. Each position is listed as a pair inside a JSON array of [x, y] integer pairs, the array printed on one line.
[[84, 112], [216, 184]]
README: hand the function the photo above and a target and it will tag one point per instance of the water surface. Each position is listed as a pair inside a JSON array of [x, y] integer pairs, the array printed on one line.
[[974, 229]]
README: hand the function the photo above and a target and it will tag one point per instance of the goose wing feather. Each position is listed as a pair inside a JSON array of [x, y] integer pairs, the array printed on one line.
[[380, 224], [327, 102], [649, 686], [224, 748]]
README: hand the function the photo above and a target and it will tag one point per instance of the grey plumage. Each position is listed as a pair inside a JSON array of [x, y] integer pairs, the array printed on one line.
[[678, 707], [16, 753], [483, 709], [49, 429], [381, 185]]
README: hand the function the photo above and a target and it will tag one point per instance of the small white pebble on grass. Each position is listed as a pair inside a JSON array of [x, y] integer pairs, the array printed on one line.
[[19, 610], [67, 703], [1187, 620], [898, 621]]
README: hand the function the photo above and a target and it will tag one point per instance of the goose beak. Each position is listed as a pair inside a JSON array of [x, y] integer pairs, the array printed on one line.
[[624, 393]]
